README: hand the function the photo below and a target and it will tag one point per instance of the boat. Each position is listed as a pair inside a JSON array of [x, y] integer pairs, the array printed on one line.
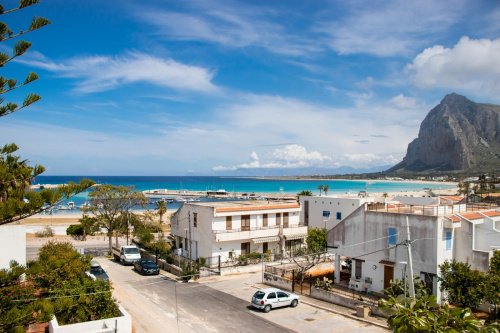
[[218, 192]]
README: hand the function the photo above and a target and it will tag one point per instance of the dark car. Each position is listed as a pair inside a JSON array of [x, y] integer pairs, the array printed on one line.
[[96, 272], [146, 267]]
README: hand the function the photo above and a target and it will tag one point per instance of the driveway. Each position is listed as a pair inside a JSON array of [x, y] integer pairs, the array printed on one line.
[[219, 304]]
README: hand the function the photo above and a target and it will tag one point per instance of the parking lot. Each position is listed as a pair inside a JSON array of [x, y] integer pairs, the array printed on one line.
[[216, 304]]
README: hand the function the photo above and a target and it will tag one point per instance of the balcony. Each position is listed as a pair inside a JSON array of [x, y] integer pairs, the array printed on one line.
[[257, 232]]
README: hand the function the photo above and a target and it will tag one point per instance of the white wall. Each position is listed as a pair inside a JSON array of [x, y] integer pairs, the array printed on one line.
[[317, 204], [13, 242], [123, 324], [370, 230]]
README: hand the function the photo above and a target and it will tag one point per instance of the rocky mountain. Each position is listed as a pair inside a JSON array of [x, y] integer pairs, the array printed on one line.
[[457, 135]]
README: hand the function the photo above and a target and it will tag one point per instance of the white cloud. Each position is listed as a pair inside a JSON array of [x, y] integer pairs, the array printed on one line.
[[388, 28], [100, 73], [403, 102], [290, 156], [471, 65], [231, 25]]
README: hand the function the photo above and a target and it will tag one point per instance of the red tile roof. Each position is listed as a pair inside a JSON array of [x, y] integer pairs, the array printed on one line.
[[472, 216], [492, 213], [453, 218]]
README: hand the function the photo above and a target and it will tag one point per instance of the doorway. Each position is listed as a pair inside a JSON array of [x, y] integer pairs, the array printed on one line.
[[388, 276]]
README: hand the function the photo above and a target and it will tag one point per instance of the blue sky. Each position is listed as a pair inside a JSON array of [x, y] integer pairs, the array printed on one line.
[[212, 87]]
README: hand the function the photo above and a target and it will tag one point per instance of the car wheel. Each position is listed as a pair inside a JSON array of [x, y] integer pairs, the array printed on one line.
[[122, 261], [294, 303], [267, 308]]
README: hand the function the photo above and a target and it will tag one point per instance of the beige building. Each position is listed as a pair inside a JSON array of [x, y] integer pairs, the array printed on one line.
[[231, 228]]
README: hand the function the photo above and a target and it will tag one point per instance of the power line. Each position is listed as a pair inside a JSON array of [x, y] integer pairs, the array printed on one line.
[[56, 297]]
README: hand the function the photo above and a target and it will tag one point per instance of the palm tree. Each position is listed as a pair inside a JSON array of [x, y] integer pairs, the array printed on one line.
[[320, 188], [326, 188], [161, 206]]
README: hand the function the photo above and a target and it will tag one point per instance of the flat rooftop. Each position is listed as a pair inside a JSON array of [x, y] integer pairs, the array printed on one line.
[[246, 205]]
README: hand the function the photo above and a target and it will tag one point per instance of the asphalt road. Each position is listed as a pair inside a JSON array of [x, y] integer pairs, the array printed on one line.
[[219, 304], [159, 304]]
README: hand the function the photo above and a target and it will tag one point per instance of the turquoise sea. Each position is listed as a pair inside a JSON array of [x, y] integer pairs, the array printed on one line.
[[240, 184]]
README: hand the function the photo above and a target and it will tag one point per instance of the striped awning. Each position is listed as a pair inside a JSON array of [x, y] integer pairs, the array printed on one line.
[[265, 240], [293, 237]]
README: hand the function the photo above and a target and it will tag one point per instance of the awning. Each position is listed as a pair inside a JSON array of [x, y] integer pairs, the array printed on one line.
[[293, 237], [387, 262], [265, 240]]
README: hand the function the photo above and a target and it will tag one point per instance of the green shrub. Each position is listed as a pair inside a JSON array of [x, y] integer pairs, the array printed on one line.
[[75, 230]]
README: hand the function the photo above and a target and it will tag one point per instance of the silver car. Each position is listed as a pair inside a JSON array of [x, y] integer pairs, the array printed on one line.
[[271, 298]]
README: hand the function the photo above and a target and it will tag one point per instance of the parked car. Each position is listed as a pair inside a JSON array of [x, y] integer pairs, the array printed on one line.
[[96, 272], [146, 267], [126, 254], [271, 298]]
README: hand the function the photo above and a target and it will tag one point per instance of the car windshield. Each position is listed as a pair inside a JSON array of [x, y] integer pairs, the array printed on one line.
[[259, 295], [97, 270], [131, 250], [148, 264]]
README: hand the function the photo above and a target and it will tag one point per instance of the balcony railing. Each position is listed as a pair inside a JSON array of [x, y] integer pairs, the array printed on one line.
[[256, 228]]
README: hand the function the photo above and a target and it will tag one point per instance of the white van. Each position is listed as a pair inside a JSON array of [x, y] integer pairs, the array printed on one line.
[[127, 254]]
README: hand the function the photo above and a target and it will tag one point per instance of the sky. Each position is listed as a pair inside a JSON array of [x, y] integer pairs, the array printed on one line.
[[222, 87]]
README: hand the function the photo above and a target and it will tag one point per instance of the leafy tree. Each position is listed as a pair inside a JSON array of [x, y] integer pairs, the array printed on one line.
[[320, 188], [316, 240], [89, 225], [425, 315], [305, 192], [491, 285], [110, 205], [17, 201], [54, 284], [161, 207], [461, 283], [312, 255], [326, 188]]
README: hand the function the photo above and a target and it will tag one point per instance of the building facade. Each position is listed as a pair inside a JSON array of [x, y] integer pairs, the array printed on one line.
[[13, 240], [232, 228], [327, 211], [373, 239]]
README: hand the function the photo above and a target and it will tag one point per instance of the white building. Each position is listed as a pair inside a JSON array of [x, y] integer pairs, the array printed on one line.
[[231, 228], [327, 211], [372, 237], [13, 240]]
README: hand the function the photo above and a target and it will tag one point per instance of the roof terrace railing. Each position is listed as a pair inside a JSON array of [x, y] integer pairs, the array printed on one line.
[[427, 210]]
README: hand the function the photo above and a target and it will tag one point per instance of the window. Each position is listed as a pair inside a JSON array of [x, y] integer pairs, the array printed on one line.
[[392, 238], [271, 295], [278, 218], [339, 216], [229, 222], [285, 220], [282, 294], [245, 223], [358, 272], [264, 220], [306, 212], [195, 219], [245, 248], [447, 237]]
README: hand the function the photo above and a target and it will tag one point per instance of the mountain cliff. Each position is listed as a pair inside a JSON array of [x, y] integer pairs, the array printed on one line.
[[456, 135]]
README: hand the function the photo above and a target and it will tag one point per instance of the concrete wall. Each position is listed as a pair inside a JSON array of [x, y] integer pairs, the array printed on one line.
[[13, 242], [334, 298], [123, 324], [277, 281]]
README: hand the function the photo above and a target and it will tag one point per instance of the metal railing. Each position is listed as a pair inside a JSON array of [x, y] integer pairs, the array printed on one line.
[[257, 228]]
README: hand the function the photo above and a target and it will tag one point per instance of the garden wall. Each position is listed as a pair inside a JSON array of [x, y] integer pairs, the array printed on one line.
[[122, 324]]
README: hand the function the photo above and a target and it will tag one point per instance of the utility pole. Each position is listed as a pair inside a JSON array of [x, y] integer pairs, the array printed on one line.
[[410, 261], [189, 240]]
